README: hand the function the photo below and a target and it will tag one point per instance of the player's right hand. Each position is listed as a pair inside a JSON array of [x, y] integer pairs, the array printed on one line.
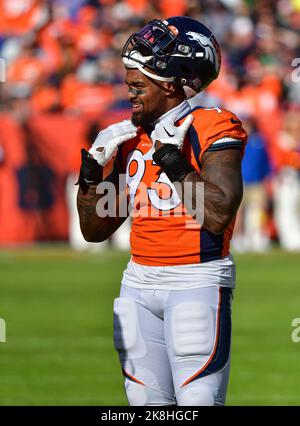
[[109, 139]]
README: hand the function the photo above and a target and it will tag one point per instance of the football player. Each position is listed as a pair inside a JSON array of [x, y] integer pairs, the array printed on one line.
[[172, 321]]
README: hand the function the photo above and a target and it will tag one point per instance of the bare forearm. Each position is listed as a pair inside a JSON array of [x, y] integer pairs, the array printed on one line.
[[95, 228], [208, 202]]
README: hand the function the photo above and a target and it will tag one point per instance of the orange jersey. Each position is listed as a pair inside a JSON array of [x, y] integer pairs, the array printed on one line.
[[162, 232]]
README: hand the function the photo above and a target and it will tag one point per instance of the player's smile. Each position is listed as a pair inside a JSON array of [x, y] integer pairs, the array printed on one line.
[[135, 92], [137, 107]]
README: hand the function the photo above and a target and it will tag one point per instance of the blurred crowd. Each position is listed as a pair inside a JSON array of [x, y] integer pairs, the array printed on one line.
[[62, 58]]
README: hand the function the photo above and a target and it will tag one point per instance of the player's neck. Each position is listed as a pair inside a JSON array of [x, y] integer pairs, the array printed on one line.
[[176, 110]]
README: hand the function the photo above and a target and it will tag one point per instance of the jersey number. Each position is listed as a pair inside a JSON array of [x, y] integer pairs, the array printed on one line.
[[161, 194]]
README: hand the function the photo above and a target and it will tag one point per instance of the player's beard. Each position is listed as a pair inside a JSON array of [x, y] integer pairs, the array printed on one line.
[[144, 118]]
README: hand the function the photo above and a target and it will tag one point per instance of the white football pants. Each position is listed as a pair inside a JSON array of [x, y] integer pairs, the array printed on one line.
[[174, 345]]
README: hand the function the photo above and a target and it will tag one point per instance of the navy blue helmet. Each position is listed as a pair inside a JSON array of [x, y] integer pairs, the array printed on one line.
[[177, 49]]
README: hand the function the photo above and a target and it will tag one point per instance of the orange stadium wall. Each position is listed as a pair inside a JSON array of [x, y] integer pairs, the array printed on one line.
[[38, 156], [37, 159], [16, 223]]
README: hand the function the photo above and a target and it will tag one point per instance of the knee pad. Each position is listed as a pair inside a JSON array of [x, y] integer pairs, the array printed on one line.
[[128, 340], [198, 394], [192, 329], [136, 393], [148, 393]]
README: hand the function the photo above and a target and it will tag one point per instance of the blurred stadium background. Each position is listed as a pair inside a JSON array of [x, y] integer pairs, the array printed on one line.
[[64, 83]]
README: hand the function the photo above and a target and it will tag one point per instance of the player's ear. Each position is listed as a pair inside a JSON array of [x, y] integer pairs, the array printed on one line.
[[170, 88]]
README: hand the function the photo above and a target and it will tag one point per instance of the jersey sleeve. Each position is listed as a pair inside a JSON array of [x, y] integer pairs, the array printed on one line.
[[220, 129]]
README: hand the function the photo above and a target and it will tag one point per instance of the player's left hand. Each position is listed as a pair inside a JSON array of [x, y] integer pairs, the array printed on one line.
[[167, 133]]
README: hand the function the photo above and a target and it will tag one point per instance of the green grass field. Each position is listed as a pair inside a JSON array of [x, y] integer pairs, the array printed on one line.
[[58, 311]]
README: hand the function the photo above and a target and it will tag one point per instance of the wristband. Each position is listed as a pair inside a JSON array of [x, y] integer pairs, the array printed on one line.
[[173, 162], [91, 173]]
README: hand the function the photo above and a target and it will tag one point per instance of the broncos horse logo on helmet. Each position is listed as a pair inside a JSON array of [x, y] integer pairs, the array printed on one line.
[[178, 49], [208, 44]]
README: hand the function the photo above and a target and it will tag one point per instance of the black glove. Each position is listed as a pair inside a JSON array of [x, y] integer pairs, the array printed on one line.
[[173, 162], [91, 173]]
